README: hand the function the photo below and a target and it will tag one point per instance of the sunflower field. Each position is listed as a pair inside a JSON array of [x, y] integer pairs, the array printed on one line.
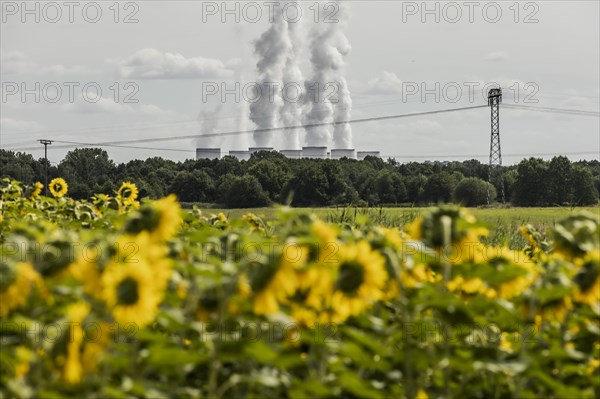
[[113, 297]]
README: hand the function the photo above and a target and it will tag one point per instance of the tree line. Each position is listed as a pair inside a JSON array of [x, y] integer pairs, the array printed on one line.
[[269, 177]]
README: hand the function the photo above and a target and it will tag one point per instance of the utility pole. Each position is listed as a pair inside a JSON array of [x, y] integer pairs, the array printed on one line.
[[494, 100], [46, 143]]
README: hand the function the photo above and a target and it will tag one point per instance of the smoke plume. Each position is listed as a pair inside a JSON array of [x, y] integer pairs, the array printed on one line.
[[291, 112], [272, 48], [208, 119], [327, 91]]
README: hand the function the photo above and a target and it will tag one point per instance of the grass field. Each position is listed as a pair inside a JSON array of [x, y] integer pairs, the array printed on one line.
[[539, 217], [503, 223]]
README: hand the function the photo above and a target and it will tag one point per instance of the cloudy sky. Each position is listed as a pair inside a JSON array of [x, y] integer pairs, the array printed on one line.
[[153, 62]]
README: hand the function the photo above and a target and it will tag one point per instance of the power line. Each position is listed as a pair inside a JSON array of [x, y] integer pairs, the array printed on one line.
[[553, 110], [185, 124], [407, 156], [119, 144], [267, 130], [74, 144]]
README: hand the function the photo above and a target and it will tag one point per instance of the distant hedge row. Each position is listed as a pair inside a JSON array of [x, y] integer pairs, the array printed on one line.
[[270, 177]]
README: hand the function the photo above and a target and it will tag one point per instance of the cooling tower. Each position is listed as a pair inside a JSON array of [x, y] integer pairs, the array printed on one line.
[[341, 153], [293, 154], [363, 154], [314, 152], [208, 153], [240, 155]]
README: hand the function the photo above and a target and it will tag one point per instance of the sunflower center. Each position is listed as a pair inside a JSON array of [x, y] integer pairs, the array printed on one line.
[[210, 300], [126, 193], [300, 296], [127, 292], [351, 277], [261, 275], [147, 218], [57, 187], [587, 276]]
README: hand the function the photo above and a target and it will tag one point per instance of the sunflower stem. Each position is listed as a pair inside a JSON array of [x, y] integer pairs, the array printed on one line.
[[446, 222]]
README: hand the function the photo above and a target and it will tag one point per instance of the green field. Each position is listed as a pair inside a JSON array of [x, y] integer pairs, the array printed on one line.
[[503, 223], [539, 217]]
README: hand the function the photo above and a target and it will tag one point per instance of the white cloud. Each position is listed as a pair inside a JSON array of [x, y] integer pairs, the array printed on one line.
[[15, 62], [150, 63], [497, 56], [387, 83]]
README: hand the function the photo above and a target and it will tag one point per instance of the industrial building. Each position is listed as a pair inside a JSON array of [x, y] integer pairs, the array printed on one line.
[[208, 153], [339, 154], [320, 152]]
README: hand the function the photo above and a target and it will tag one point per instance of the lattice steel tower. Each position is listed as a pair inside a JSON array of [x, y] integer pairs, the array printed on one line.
[[494, 100]]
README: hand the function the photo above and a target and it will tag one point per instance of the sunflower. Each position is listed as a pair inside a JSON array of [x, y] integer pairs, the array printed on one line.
[[36, 190], [24, 356], [314, 282], [517, 285], [361, 277], [272, 283], [160, 218], [254, 221], [87, 273], [555, 311], [131, 291], [58, 187], [127, 193], [16, 282], [326, 233], [94, 350], [464, 230], [470, 286], [133, 249], [415, 276], [391, 237], [73, 368], [587, 281]]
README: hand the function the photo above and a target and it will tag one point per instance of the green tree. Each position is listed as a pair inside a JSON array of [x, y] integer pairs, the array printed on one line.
[[559, 181], [530, 187], [389, 187], [242, 192], [194, 186], [271, 177], [584, 191], [473, 191], [308, 186], [86, 166], [439, 188], [414, 188]]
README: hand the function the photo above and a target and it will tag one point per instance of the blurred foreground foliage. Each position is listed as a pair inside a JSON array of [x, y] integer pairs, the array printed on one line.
[[112, 298]]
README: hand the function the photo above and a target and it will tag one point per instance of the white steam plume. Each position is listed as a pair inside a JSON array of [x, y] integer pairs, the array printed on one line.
[[208, 120], [272, 49], [327, 92], [291, 112]]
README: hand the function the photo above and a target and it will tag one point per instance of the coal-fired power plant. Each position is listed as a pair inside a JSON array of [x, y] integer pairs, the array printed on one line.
[[308, 127], [316, 152]]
